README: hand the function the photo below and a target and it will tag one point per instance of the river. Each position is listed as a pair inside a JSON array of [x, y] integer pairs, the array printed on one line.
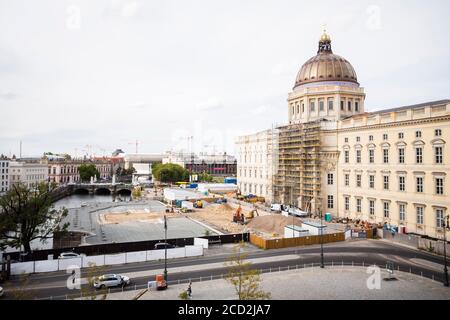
[[76, 200]]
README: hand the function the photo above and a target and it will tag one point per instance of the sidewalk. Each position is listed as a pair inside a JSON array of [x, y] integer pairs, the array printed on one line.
[[348, 283]]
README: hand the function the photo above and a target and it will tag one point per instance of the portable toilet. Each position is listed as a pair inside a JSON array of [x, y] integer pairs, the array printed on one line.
[[328, 217]]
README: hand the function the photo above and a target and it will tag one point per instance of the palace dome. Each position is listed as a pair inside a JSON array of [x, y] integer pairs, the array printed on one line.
[[326, 66]]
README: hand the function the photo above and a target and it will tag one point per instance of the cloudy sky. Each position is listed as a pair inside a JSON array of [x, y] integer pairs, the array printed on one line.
[[93, 76]]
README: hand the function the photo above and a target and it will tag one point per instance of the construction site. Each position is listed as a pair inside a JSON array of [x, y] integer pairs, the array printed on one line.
[[297, 181]]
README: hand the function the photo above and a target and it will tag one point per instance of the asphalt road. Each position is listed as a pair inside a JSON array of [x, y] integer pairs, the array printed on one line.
[[357, 252]]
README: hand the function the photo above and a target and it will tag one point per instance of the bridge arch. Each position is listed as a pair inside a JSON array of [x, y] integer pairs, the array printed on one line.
[[124, 192], [102, 191], [81, 191]]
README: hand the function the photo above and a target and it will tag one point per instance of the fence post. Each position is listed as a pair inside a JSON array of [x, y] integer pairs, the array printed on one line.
[[211, 277]]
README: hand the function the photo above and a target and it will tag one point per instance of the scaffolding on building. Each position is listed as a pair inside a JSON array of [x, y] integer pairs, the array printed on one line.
[[298, 176]]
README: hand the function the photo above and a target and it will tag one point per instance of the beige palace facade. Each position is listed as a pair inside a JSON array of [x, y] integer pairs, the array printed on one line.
[[390, 166]]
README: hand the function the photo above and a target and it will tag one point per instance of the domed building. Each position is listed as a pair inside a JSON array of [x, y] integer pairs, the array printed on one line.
[[388, 167], [326, 87]]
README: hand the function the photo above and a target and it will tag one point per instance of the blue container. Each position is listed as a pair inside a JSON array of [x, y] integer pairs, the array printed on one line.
[[327, 217], [230, 180], [193, 186]]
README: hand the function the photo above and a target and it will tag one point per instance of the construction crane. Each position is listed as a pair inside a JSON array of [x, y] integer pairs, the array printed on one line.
[[136, 143]]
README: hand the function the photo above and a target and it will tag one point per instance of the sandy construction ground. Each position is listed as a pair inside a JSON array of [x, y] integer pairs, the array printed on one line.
[[133, 215], [219, 216]]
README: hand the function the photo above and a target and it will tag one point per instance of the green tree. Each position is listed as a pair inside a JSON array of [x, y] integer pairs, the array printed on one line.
[[170, 172], [205, 177], [245, 280], [87, 171], [88, 291], [27, 214]]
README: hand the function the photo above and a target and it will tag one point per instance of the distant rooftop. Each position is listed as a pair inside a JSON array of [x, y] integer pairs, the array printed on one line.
[[414, 106]]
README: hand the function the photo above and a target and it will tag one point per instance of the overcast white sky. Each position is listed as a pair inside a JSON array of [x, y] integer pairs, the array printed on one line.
[[105, 73]]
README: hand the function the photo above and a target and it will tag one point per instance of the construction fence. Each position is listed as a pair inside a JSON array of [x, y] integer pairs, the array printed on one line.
[[295, 242]]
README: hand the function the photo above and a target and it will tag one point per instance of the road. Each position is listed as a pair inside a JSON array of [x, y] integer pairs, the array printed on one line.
[[358, 252]]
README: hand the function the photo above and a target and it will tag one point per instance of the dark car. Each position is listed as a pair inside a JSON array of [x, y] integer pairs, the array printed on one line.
[[164, 245]]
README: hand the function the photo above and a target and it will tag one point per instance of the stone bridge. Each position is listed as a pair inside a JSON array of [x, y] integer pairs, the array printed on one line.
[[100, 188]]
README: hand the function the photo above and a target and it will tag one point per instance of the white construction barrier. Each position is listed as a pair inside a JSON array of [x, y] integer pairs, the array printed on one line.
[[23, 267], [176, 253], [110, 259], [194, 251], [139, 256], [155, 255], [64, 263], [46, 266], [115, 259], [201, 242], [97, 260]]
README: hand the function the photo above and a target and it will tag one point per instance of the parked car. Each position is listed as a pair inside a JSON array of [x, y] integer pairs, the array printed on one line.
[[111, 280], [69, 255], [164, 245], [1, 292], [277, 207]]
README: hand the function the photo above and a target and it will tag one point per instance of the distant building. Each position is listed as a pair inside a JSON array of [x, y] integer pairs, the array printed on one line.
[[28, 172], [63, 171], [257, 163], [217, 164], [4, 174], [132, 158]]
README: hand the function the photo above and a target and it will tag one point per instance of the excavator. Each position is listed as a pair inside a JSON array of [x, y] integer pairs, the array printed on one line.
[[242, 218]]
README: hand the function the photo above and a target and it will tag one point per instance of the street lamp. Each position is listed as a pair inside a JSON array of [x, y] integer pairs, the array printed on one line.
[[165, 250], [446, 226], [322, 265]]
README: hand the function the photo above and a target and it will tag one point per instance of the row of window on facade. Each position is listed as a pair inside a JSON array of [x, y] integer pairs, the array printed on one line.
[[251, 173], [255, 157], [439, 212], [5, 164], [401, 135], [253, 188], [419, 182], [401, 156], [351, 106]]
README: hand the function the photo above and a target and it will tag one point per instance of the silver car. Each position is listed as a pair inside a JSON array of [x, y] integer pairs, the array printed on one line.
[[68, 255], [111, 280]]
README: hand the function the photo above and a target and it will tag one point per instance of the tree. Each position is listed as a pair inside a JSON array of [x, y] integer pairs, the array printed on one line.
[[88, 291], [205, 177], [137, 192], [244, 278], [170, 172], [87, 171], [27, 214]]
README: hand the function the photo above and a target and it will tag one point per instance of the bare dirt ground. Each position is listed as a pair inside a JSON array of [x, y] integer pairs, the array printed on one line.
[[219, 216], [272, 225], [133, 215]]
